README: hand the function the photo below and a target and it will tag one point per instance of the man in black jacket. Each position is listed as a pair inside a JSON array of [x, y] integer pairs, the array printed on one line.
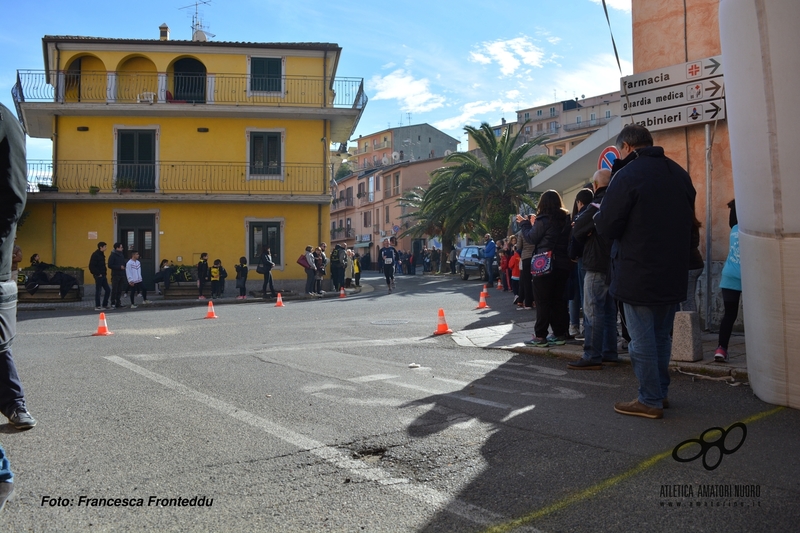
[[119, 281], [13, 185], [599, 308], [648, 212], [97, 266]]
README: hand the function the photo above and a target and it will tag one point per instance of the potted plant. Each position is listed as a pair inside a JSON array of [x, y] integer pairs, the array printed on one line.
[[125, 184], [93, 190]]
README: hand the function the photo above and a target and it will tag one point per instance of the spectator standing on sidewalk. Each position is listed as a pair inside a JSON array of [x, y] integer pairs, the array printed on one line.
[[599, 307], [133, 270], [648, 212], [453, 260], [489, 250], [13, 184], [730, 285], [119, 282], [97, 267], [202, 274]]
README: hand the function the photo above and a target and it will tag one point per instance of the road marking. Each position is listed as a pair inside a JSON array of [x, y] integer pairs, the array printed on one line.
[[374, 377], [454, 395], [512, 414], [545, 375], [330, 454], [597, 488]]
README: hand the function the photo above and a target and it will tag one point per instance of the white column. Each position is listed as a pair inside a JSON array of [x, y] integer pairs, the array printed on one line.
[[162, 87], [210, 83], [111, 87], [760, 44]]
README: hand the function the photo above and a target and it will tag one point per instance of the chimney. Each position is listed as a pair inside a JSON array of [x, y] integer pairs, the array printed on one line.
[[503, 121], [164, 32]]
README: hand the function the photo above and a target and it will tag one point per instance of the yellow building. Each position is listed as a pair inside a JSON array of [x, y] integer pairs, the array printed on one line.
[[175, 148]]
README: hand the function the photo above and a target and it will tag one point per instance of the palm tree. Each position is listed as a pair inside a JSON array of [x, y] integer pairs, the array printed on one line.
[[474, 192]]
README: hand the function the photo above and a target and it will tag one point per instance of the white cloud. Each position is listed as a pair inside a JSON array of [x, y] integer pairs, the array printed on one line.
[[388, 65], [597, 75], [471, 112], [621, 5], [509, 54], [512, 95], [413, 95]]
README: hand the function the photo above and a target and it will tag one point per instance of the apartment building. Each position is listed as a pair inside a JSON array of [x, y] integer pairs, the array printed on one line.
[[177, 147]]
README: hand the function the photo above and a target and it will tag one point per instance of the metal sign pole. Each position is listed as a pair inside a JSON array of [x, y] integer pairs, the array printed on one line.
[[708, 227]]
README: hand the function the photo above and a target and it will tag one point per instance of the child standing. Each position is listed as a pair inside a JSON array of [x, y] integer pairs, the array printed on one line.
[[133, 270], [218, 275], [513, 266], [241, 278], [202, 274]]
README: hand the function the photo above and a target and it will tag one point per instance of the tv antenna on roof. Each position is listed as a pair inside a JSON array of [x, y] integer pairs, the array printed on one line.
[[199, 31]]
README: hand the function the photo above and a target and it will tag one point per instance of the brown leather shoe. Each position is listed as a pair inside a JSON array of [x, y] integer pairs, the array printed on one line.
[[636, 408]]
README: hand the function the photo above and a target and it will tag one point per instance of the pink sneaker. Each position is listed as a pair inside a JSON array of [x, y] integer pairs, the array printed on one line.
[[201, 297], [721, 355]]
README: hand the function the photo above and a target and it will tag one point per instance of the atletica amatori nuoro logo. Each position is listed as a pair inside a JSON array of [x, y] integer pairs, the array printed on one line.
[[679, 453]]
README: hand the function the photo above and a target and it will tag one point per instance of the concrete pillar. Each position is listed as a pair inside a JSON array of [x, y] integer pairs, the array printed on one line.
[[687, 344]]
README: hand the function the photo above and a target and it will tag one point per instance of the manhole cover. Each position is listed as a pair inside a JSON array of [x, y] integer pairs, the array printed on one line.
[[389, 322]]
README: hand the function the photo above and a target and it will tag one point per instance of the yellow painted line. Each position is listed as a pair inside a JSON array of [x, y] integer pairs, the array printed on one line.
[[594, 490]]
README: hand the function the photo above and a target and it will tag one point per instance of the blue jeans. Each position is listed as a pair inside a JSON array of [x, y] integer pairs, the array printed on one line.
[[487, 263], [649, 349], [599, 320], [576, 302], [11, 393], [5, 468]]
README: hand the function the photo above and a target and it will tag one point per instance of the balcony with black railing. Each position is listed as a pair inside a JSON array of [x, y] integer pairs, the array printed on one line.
[[584, 124], [176, 177], [168, 88]]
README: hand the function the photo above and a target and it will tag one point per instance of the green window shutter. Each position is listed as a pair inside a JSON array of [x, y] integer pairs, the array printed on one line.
[[265, 153], [266, 74]]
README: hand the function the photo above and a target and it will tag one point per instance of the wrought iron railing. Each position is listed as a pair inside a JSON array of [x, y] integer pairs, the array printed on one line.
[[592, 123], [176, 88], [179, 177]]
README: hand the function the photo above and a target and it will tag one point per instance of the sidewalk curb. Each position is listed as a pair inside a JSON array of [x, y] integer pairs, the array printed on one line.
[[715, 370]]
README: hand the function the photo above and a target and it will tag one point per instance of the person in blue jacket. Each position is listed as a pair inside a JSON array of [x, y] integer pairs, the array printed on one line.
[[730, 285]]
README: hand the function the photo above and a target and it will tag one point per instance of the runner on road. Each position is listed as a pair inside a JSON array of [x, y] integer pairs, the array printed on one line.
[[388, 258]]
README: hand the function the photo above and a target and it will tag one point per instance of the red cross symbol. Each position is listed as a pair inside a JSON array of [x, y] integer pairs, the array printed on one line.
[[694, 70]]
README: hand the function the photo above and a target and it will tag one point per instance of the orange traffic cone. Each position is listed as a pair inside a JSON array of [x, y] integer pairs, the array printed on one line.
[[485, 291], [442, 328], [482, 303], [342, 294], [279, 303], [211, 313], [102, 327], [499, 285]]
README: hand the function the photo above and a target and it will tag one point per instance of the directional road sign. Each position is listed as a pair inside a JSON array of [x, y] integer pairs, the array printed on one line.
[[678, 117], [675, 96]]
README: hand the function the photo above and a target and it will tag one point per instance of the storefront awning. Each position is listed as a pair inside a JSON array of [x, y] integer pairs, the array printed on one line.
[[578, 165], [362, 245]]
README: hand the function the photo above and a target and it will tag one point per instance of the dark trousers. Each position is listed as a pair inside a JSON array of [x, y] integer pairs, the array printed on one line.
[[551, 303], [268, 282], [201, 285], [11, 392], [101, 282], [137, 287], [730, 298], [216, 288], [119, 285], [526, 283]]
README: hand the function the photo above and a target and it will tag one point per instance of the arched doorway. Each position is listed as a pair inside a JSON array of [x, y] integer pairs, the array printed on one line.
[[189, 81]]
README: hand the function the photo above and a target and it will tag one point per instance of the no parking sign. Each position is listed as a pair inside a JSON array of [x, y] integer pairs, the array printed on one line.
[[607, 158]]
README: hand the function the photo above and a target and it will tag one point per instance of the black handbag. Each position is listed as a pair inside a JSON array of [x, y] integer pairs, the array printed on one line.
[[260, 269]]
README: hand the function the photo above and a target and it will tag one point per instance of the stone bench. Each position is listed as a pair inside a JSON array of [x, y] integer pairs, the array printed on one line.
[[184, 290]]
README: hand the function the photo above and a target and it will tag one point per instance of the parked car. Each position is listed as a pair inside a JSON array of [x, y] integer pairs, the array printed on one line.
[[470, 262]]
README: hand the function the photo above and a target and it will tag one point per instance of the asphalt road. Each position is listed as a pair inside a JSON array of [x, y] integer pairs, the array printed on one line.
[[309, 418]]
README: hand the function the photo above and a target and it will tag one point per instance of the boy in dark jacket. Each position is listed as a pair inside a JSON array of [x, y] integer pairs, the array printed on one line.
[[202, 274], [97, 267], [119, 281]]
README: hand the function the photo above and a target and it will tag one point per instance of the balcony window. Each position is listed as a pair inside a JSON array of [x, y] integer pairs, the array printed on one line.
[[266, 74], [578, 120], [263, 233], [136, 160], [189, 81], [608, 114], [265, 154]]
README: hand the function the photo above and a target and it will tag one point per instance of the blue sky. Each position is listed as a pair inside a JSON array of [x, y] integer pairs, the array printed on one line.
[[446, 63]]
